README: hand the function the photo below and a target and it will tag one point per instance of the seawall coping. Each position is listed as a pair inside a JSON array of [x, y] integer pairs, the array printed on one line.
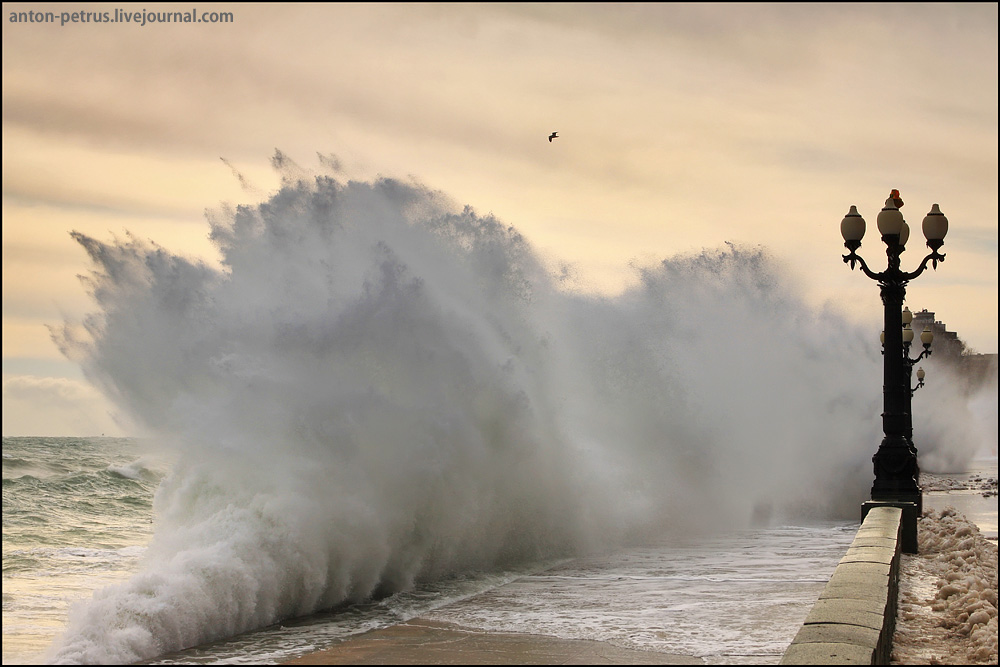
[[857, 591], [828, 654], [848, 612], [869, 555], [853, 620], [865, 541], [862, 572], [862, 568], [887, 532], [839, 633]]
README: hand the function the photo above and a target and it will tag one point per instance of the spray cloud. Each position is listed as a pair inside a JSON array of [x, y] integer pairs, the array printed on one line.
[[380, 388]]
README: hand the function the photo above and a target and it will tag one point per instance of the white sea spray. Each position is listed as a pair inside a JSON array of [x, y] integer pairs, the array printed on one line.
[[379, 388]]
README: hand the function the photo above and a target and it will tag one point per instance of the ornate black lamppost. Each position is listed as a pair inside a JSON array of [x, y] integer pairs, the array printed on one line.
[[895, 461]]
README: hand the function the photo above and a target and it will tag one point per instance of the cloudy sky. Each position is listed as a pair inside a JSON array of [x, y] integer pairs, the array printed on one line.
[[682, 126]]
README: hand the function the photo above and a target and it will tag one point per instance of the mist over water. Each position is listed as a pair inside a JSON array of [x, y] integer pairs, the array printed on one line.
[[954, 421], [380, 387]]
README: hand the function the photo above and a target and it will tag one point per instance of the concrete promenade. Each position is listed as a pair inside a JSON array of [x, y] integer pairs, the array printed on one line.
[[425, 642]]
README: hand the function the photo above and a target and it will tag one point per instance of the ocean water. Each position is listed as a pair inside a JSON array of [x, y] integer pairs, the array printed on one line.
[[972, 492], [78, 516], [379, 402]]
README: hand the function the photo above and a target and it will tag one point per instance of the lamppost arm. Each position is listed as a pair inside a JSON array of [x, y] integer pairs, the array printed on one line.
[[855, 257], [935, 256], [914, 360]]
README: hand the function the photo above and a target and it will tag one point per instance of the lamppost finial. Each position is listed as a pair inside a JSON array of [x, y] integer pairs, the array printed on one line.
[[894, 196]]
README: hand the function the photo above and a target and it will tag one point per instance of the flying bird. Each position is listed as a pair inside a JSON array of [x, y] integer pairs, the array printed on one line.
[[553, 136]]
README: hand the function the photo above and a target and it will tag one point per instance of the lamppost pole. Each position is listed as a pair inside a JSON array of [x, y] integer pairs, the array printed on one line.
[[895, 462]]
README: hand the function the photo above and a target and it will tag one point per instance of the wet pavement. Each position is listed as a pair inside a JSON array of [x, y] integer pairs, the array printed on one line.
[[425, 642]]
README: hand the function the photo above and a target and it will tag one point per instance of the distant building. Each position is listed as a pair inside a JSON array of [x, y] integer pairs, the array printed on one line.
[[977, 369], [947, 344]]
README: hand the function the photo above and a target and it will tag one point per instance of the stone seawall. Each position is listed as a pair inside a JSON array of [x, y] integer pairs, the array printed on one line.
[[853, 621]]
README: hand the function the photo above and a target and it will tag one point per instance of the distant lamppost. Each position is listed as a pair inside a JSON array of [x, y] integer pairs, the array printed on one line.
[[895, 462], [926, 338], [920, 381]]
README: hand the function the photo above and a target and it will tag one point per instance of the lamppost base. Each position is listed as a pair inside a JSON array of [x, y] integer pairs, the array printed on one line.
[[909, 520], [904, 492]]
